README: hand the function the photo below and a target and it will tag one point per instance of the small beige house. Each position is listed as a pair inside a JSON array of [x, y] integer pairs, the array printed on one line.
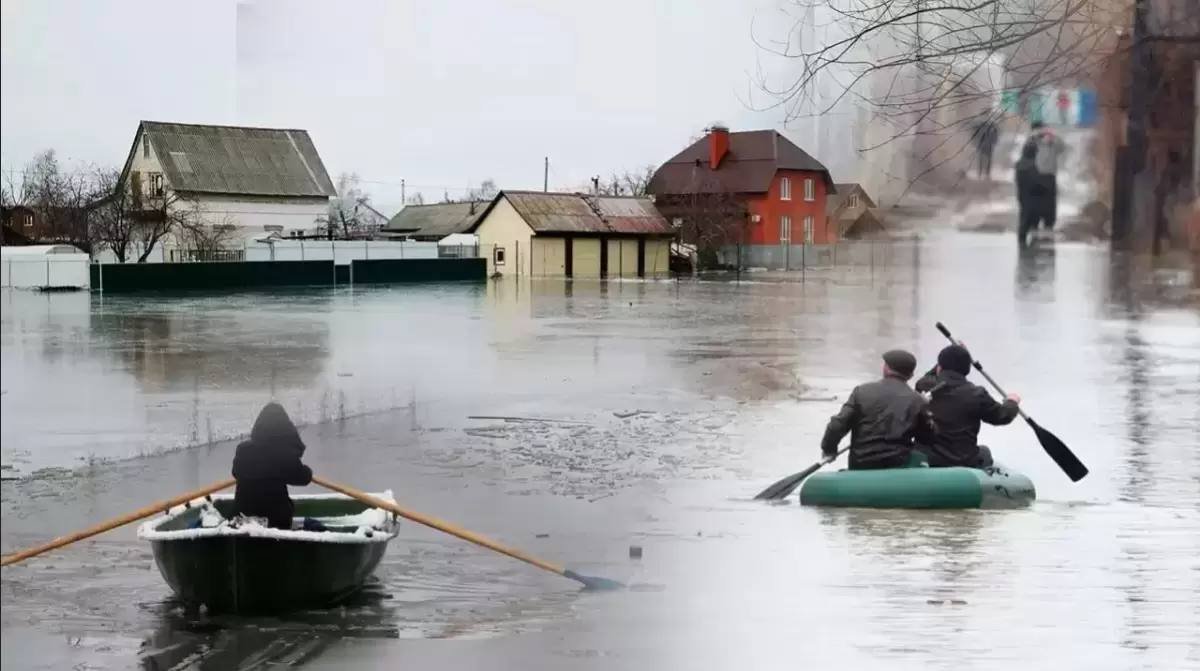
[[538, 234]]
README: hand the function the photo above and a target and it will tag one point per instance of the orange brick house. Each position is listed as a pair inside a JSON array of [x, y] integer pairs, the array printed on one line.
[[753, 189]]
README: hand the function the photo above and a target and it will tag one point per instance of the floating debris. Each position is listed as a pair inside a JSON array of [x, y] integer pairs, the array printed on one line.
[[527, 419]]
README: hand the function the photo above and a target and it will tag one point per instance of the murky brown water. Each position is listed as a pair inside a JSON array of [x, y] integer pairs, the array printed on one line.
[[733, 384]]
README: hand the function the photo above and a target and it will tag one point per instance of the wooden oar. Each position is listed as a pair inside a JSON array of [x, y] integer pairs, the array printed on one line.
[[1058, 450], [134, 516], [590, 582], [783, 488]]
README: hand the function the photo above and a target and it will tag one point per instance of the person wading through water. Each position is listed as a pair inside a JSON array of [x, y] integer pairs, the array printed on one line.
[[1049, 150], [1033, 196], [884, 418], [266, 464], [958, 407]]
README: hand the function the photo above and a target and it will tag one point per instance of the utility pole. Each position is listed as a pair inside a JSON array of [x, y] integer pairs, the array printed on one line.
[[918, 31], [403, 197], [545, 174]]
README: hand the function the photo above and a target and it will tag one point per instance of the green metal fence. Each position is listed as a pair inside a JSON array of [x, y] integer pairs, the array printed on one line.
[[128, 277]]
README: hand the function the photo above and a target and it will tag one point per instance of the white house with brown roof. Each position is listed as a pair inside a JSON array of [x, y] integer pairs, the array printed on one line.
[[258, 181], [539, 234]]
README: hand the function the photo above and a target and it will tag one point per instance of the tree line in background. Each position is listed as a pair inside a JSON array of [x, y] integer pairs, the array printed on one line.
[[94, 210]]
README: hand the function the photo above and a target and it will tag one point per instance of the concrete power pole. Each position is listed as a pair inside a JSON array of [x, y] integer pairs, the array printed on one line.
[[545, 174], [403, 197]]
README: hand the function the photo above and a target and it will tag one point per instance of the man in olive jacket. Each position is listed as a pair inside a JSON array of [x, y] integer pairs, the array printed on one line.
[[884, 418], [958, 407]]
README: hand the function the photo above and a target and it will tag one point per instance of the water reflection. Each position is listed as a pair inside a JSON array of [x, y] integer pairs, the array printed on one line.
[[234, 342], [1036, 272], [185, 638]]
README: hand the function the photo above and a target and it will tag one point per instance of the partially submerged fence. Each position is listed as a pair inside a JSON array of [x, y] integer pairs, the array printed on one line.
[[848, 253], [225, 275]]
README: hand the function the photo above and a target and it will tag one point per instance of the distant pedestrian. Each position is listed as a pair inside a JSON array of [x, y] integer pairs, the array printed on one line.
[[987, 134], [1033, 195], [1049, 149]]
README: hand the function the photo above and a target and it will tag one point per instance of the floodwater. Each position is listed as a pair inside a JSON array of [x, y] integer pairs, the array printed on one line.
[[650, 414]]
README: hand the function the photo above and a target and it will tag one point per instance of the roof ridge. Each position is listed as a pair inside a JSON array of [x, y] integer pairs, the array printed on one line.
[[220, 125]]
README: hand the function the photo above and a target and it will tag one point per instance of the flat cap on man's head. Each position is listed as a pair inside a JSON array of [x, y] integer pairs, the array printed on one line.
[[900, 362]]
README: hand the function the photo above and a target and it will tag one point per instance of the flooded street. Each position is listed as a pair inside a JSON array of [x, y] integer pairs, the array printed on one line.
[[575, 420]]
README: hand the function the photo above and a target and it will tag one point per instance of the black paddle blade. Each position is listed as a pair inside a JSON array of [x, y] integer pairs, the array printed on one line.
[[1059, 452], [783, 488], [592, 582]]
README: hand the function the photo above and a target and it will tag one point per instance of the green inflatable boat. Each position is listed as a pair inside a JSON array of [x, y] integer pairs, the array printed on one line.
[[919, 487]]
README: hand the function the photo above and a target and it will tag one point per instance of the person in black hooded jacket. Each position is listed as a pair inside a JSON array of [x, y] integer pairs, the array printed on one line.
[[958, 407], [266, 464]]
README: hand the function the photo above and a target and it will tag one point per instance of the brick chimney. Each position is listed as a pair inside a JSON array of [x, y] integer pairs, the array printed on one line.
[[718, 145]]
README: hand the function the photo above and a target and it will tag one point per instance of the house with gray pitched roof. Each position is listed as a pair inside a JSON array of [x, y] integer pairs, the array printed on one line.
[[434, 221], [257, 181]]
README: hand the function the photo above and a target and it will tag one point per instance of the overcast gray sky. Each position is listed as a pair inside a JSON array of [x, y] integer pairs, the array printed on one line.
[[441, 94]]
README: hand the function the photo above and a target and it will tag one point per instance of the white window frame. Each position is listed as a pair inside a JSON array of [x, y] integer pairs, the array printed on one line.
[[785, 188], [854, 200], [785, 228], [810, 189], [498, 256], [808, 229], [154, 184]]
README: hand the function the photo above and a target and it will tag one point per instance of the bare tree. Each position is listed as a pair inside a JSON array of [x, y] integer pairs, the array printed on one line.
[[348, 210], [628, 183], [162, 215], [709, 219], [930, 71], [60, 200], [205, 241], [416, 199], [486, 191], [113, 219]]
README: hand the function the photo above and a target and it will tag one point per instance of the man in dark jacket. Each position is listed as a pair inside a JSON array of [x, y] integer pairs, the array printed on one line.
[[883, 418], [266, 464], [1033, 195], [958, 407]]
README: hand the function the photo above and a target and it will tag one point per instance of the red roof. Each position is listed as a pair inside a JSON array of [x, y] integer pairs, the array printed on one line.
[[751, 163]]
